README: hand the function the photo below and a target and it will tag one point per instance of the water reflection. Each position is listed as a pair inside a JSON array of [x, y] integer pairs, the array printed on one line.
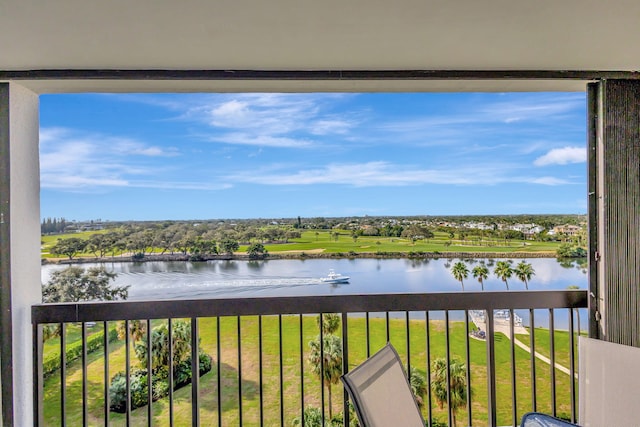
[[152, 280]]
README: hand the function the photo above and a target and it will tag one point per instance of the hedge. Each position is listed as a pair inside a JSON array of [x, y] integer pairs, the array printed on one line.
[[51, 362], [138, 384]]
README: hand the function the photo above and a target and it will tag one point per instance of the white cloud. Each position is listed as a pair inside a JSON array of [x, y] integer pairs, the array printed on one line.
[[385, 174], [171, 185], [73, 160], [562, 156], [525, 108], [261, 140], [136, 148], [331, 126], [549, 180], [268, 119]]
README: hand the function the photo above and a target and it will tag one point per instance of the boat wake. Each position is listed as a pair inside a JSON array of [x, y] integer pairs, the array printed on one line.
[[206, 289]]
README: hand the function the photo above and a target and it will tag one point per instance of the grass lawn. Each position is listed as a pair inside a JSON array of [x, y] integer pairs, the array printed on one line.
[[51, 239], [561, 340], [291, 373], [322, 241]]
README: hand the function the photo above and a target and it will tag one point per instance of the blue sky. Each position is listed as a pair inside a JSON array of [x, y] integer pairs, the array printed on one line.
[[204, 156]]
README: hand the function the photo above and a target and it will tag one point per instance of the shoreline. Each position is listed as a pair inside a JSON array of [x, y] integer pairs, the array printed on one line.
[[303, 255]]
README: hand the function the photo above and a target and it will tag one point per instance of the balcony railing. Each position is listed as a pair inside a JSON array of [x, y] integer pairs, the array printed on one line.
[[260, 357]]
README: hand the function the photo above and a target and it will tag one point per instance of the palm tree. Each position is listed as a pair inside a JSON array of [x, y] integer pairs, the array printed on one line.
[[418, 384], [457, 384], [331, 368], [312, 418], [330, 323], [504, 271], [460, 272], [524, 271], [137, 330], [181, 345], [481, 272]]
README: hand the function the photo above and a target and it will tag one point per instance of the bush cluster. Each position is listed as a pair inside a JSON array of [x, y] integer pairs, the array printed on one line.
[[159, 384], [569, 250]]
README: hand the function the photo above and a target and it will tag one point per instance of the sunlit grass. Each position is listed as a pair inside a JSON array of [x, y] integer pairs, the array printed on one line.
[[291, 368]]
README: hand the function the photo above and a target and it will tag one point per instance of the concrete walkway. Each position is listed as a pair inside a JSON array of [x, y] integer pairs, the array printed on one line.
[[503, 327], [545, 359]]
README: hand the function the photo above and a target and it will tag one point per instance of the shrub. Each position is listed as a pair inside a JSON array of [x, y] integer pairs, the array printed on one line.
[[160, 384], [181, 338], [51, 362], [567, 250]]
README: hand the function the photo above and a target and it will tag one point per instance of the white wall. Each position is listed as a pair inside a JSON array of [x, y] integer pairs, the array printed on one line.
[[26, 288], [608, 384]]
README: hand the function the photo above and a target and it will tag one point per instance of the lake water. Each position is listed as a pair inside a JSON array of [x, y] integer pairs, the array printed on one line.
[[164, 280]]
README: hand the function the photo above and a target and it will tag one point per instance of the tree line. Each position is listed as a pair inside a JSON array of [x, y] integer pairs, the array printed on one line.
[[53, 225], [186, 239]]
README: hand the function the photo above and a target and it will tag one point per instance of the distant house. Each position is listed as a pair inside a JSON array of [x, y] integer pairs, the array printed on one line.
[[569, 230]]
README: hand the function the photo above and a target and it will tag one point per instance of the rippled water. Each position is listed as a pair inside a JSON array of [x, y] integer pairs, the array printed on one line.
[[163, 280]]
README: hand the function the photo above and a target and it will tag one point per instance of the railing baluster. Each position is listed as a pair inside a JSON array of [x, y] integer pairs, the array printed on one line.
[[195, 373], [281, 371], [219, 374], [260, 373], [468, 365], [238, 321], [387, 326], [491, 369], [63, 374], [85, 400], [406, 313], [514, 397], [170, 368], [149, 375], [552, 355], [301, 370], [532, 345], [572, 368], [345, 365], [105, 344], [428, 351], [448, 364], [367, 334], [38, 378], [322, 366], [127, 369]]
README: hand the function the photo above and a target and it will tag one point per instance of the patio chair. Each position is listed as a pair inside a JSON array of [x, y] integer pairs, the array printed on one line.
[[608, 387], [380, 392], [536, 419]]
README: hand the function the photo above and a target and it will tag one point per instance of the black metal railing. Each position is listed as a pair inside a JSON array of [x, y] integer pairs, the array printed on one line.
[[260, 371]]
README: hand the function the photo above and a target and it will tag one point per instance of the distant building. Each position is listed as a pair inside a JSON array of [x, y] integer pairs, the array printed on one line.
[[569, 230]]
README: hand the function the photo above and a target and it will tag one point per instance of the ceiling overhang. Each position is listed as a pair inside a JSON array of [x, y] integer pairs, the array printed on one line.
[[283, 35]]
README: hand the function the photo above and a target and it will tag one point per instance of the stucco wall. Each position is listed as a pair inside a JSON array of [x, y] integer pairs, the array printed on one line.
[[25, 242]]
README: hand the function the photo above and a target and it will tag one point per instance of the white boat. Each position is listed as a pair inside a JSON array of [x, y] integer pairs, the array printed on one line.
[[334, 278]]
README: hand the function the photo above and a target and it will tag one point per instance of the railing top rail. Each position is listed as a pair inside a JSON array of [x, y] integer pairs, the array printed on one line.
[[177, 308]]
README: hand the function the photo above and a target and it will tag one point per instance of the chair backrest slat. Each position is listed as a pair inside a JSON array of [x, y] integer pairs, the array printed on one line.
[[380, 392]]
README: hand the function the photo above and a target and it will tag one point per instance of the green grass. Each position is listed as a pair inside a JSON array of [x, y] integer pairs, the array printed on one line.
[[51, 239], [250, 358], [561, 340], [323, 241]]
